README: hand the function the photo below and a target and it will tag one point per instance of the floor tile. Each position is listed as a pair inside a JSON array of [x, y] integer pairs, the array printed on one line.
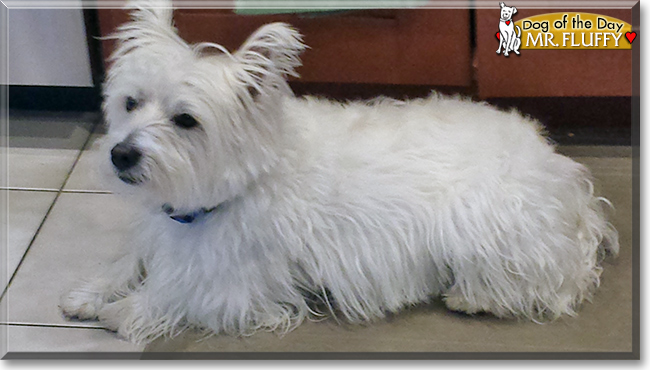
[[607, 166], [30, 168], [595, 151], [54, 339], [26, 211], [80, 236], [84, 176], [424, 329], [50, 130], [44, 146]]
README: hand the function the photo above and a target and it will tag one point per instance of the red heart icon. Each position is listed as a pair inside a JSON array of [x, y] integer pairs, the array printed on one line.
[[507, 23], [498, 35], [630, 36]]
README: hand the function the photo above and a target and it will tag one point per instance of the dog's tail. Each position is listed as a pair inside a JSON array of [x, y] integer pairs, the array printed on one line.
[[518, 31]]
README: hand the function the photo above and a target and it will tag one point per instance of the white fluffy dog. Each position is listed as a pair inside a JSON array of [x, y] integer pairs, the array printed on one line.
[[254, 202]]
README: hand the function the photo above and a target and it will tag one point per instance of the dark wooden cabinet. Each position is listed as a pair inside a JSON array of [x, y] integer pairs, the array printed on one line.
[[393, 46], [434, 47]]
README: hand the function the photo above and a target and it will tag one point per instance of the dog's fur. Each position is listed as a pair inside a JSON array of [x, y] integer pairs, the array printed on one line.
[[371, 206], [509, 39]]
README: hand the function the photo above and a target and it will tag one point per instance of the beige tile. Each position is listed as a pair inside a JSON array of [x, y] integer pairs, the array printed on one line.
[[81, 234], [607, 166], [38, 168], [428, 328], [26, 211], [595, 151], [50, 130], [84, 176], [57, 339], [44, 146]]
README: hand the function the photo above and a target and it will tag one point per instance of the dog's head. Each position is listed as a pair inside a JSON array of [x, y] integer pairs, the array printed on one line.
[[193, 125], [507, 11]]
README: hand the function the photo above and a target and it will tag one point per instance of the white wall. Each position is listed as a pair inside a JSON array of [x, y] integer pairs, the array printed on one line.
[[47, 47]]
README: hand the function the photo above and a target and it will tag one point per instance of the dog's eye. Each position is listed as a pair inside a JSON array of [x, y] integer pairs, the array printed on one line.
[[131, 104], [185, 121]]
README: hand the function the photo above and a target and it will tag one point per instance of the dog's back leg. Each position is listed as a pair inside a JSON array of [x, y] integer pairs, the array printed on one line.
[[537, 253]]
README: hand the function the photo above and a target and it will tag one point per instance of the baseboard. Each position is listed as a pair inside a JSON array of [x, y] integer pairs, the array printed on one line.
[[589, 120], [54, 98]]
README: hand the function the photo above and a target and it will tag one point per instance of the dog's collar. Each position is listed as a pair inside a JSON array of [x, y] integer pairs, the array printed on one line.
[[188, 218], [505, 20]]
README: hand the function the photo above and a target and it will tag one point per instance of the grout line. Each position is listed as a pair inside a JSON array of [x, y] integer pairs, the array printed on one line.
[[45, 190], [62, 326], [83, 149], [42, 190], [69, 191], [29, 246], [49, 210]]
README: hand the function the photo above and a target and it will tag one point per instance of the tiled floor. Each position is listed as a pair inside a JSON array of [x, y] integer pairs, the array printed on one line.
[[62, 225], [54, 210]]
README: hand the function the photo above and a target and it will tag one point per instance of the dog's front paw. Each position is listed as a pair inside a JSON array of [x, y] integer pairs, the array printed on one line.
[[128, 318], [81, 304], [116, 316]]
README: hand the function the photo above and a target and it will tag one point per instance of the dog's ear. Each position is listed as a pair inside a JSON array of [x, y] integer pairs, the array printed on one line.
[[269, 56], [502, 5], [153, 12], [151, 23], [514, 10]]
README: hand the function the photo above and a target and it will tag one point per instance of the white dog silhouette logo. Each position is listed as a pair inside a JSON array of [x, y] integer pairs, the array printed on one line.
[[508, 39]]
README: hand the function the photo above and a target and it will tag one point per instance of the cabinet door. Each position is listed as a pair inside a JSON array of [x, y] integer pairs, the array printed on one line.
[[549, 73]]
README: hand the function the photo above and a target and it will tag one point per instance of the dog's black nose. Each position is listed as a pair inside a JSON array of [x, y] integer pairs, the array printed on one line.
[[125, 156]]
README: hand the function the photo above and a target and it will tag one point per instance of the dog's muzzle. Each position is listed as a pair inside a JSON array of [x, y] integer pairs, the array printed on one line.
[[125, 157]]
